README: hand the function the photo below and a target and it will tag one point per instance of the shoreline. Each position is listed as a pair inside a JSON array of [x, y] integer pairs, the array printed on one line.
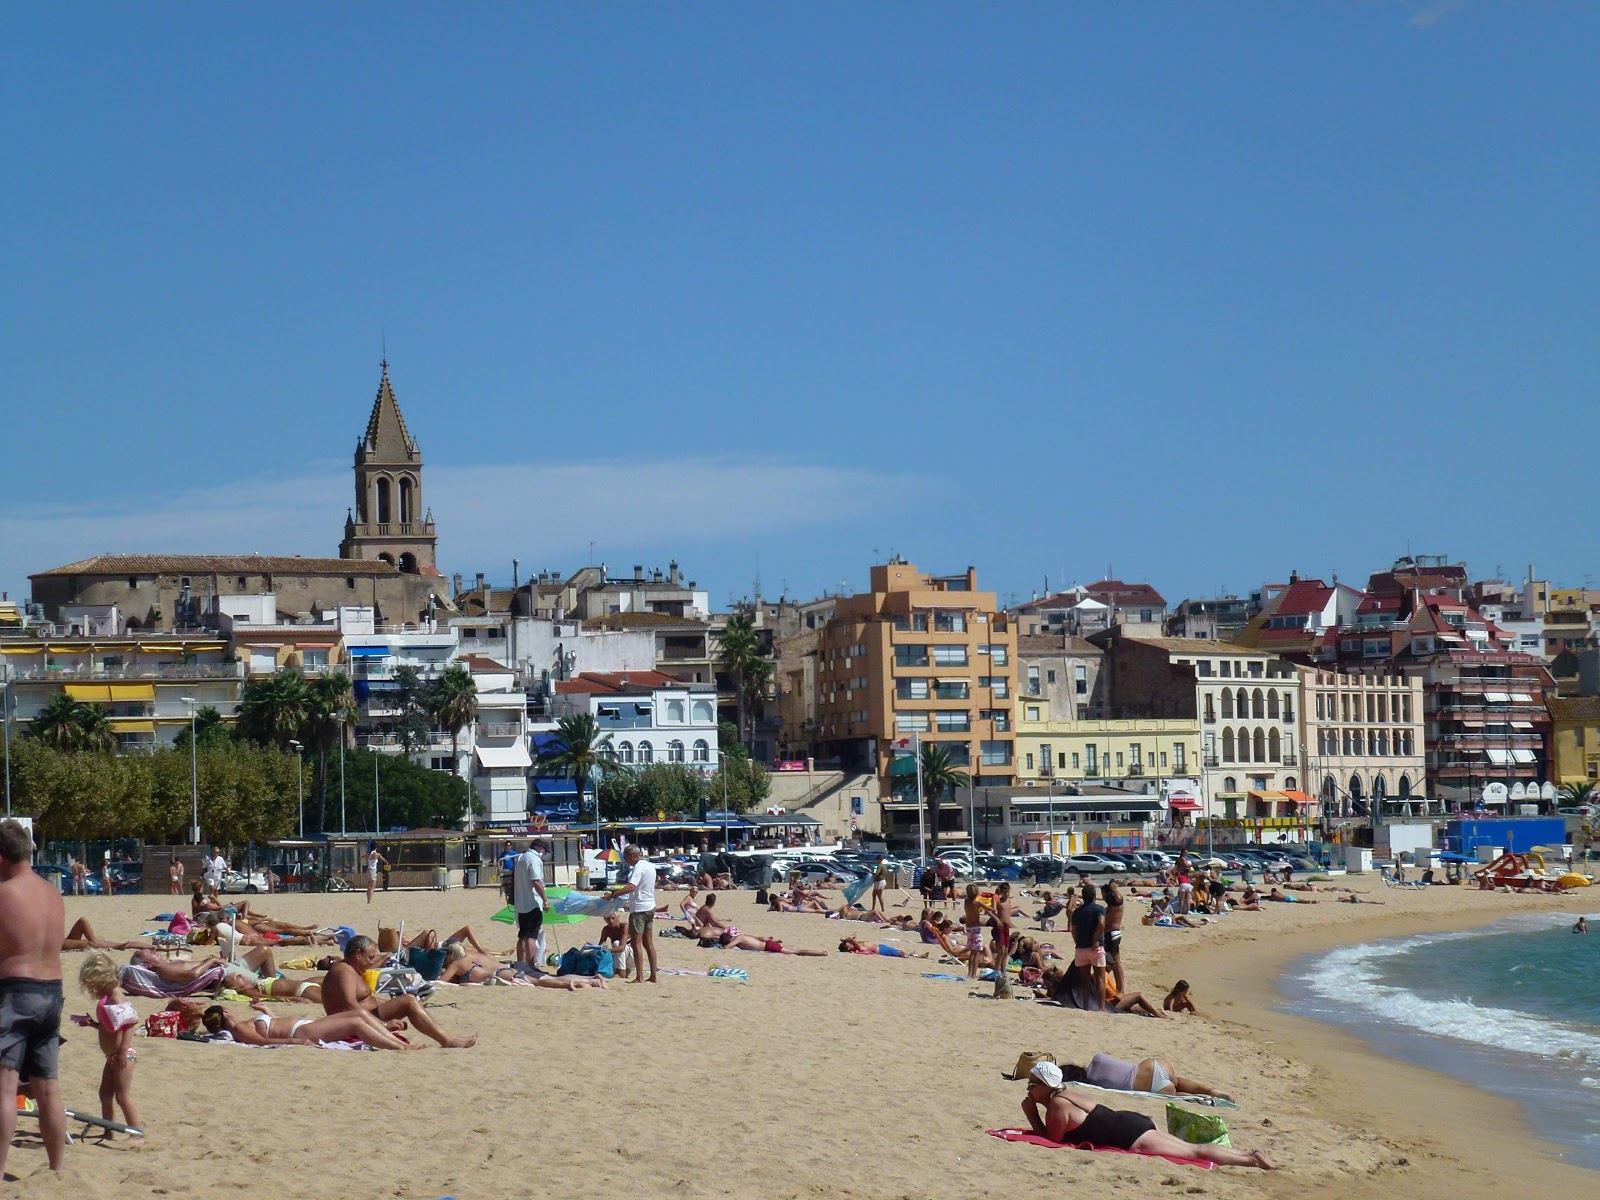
[[1480, 1137]]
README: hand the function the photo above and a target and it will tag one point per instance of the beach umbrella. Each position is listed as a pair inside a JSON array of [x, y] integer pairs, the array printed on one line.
[[552, 916]]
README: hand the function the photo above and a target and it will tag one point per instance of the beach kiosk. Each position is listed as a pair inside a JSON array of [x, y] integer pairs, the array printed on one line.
[[418, 858]]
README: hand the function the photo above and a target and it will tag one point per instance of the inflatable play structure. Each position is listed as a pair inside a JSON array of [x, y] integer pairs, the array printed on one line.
[[1526, 872]]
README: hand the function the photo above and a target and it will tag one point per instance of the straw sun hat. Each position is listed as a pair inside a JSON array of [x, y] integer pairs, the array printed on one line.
[[1025, 1064]]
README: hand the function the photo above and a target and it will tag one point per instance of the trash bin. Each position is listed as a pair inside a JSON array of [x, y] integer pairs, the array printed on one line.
[[441, 878], [470, 879]]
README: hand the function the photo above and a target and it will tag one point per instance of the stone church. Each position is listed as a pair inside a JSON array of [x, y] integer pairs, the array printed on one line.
[[386, 560]]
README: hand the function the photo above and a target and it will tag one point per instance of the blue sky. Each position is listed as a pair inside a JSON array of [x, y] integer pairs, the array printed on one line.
[[1202, 292]]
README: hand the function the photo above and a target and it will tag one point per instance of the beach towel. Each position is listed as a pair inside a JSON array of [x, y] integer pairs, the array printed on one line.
[[943, 975], [1209, 1101], [729, 973], [1033, 1139]]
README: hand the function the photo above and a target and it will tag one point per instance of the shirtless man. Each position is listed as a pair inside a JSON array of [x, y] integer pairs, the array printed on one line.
[[32, 921], [345, 989], [1112, 899]]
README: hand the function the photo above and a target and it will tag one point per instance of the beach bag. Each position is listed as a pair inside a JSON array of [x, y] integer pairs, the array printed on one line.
[[164, 1024], [581, 961], [181, 925], [762, 897], [427, 963], [1197, 1128], [388, 939]]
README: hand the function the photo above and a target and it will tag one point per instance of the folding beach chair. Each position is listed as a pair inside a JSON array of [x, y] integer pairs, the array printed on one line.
[[1390, 879]]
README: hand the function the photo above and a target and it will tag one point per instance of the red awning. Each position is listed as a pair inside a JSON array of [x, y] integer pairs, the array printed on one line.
[[1184, 804]]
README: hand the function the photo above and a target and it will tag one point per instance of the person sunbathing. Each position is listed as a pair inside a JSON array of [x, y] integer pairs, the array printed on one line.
[[429, 940], [263, 1029], [854, 945], [149, 974], [1250, 901], [1029, 952], [468, 967], [1352, 898], [1278, 897], [82, 937], [1154, 1075], [690, 903], [1072, 1118], [1069, 988], [776, 903], [199, 902], [345, 990], [958, 947], [706, 924], [1161, 914], [745, 941]]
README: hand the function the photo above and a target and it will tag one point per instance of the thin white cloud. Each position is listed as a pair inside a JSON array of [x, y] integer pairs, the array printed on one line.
[[485, 515], [1427, 18]]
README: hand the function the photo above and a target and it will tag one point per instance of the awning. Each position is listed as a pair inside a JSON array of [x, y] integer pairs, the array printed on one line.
[[21, 649], [1266, 795], [1499, 756], [125, 726], [1184, 804], [1497, 697], [315, 645], [1522, 697], [1522, 724], [369, 652], [1299, 797], [503, 756], [147, 649], [132, 691], [1524, 756], [88, 693]]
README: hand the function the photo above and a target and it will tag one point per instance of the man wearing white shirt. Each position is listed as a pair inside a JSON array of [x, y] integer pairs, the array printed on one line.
[[215, 868], [641, 892], [528, 898]]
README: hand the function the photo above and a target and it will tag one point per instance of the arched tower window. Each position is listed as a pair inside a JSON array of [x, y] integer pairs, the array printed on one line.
[[382, 490], [407, 501], [408, 563]]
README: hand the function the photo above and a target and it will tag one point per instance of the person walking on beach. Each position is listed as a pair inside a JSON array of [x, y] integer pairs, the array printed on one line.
[[80, 875], [641, 892], [175, 877], [529, 900], [880, 883], [32, 921], [374, 860], [972, 922], [216, 868]]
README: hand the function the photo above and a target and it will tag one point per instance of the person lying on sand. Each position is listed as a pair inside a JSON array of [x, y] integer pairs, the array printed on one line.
[[82, 937], [854, 945], [1352, 898], [1161, 913], [345, 990], [429, 940], [745, 941], [261, 1028], [706, 924], [1069, 987], [468, 967], [1073, 1118], [1154, 1075], [776, 903], [1278, 897]]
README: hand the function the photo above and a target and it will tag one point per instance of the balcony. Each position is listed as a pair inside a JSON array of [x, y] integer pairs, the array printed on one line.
[[1136, 771], [1290, 760], [498, 728], [1210, 760], [392, 741], [132, 674]]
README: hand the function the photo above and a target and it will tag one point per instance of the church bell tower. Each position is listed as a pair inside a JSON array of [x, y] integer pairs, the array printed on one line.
[[388, 522]]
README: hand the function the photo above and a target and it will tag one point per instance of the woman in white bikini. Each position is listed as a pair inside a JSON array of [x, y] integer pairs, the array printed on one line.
[[263, 1029]]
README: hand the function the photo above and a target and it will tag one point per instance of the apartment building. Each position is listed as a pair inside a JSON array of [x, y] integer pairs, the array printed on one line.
[[1247, 705], [917, 659], [652, 717], [1364, 741], [1575, 739]]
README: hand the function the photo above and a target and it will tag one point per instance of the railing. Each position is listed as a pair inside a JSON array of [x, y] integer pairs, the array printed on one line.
[[1289, 760], [433, 738], [1136, 770], [498, 729], [133, 674], [1210, 718], [680, 653]]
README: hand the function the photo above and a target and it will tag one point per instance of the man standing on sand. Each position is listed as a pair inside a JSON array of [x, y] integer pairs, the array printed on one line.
[[344, 990], [529, 900], [175, 877], [1113, 938], [641, 892], [215, 869], [32, 923], [880, 884], [1088, 936]]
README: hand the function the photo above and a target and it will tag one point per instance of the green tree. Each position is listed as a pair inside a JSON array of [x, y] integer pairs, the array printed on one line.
[[453, 701], [748, 783], [273, 710], [940, 778], [209, 730], [411, 698], [408, 795], [95, 731], [330, 711], [651, 789], [68, 724], [580, 750], [741, 654], [1575, 794]]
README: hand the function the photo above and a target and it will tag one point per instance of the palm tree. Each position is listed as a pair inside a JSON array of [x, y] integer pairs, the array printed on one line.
[[1575, 795], [95, 731], [328, 699], [57, 724], [940, 775], [740, 654], [580, 750], [273, 710], [453, 700]]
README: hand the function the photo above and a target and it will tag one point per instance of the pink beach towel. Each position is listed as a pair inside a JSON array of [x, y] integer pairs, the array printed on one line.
[[1033, 1139]]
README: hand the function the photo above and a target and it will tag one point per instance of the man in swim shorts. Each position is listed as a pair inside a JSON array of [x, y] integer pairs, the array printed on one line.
[[1088, 938], [1112, 942], [32, 922]]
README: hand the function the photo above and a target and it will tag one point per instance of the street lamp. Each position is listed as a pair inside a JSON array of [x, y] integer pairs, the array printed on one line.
[[300, 775], [5, 718], [194, 771], [342, 825]]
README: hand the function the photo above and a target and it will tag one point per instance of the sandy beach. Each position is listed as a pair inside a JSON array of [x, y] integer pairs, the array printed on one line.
[[846, 1075]]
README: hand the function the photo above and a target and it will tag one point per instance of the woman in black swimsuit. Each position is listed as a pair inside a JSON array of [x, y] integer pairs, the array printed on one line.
[[1067, 1117]]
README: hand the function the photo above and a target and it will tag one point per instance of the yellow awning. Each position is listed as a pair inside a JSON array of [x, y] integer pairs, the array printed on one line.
[[132, 691], [84, 693], [122, 726], [21, 649], [144, 649]]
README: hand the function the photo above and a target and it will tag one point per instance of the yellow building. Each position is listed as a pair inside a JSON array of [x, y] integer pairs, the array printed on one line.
[[1128, 752], [1575, 739]]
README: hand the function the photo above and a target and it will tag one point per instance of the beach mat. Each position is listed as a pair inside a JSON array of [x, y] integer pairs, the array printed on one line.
[[1033, 1139]]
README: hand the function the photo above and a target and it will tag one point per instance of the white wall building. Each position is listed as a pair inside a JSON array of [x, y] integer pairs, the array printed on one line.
[[651, 717]]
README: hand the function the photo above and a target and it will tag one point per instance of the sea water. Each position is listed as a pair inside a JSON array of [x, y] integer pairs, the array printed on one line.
[[1513, 1009]]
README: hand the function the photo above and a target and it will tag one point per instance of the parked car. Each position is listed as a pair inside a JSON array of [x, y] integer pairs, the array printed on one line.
[[817, 872], [236, 881], [63, 879], [1091, 864]]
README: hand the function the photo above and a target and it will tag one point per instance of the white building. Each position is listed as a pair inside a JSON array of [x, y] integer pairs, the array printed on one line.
[[497, 742], [375, 659], [650, 716]]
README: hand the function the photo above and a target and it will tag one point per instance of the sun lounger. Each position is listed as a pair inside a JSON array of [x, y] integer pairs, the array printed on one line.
[[1390, 879]]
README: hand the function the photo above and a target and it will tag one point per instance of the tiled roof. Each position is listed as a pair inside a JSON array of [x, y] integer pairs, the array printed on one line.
[[1574, 708], [1114, 591], [641, 620], [218, 564], [1045, 643], [483, 663], [1303, 598], [386, 417], [1194, 646], [618, 683]]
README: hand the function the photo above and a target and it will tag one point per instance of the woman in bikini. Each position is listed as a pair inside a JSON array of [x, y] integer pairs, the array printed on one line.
[[1154, 1075], [263, 1029], [467, 967], [1074, 1119], [82, 937]]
